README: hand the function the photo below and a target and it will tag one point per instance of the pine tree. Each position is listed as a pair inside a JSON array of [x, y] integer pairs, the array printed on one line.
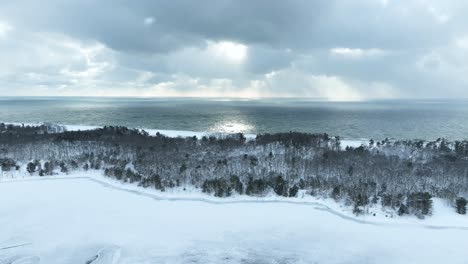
[[293, 191], [236, 184], [402, 210], [48, 168], [158, 183], [336, 193], [280, 186], [63, 167], [31, 167], [420, 203], [461, 205]]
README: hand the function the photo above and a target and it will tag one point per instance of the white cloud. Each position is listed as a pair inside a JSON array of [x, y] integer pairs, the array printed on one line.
[[462, 42], [285, 83], [438, 15], [357, 53], [390, 48], [222, 59], [181, 85], [149, 21], [5, 28], [90, 53], [53, 64], [445, 68], [294, 82], [333, 88], [229, 51], [384, 2]]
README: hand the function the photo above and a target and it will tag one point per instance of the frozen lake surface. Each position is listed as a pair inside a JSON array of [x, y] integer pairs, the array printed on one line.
[[80, 220]]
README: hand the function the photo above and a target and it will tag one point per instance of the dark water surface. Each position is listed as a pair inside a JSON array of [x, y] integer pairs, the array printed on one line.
[[373, 119]]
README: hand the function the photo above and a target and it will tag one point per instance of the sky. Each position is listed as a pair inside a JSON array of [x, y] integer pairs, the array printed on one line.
[[334, 50]]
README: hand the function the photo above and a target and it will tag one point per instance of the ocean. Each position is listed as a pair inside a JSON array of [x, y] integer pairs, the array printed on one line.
[[394, 119]]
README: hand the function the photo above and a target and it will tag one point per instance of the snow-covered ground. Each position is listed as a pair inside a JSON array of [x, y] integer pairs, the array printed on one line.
[[86, 218]]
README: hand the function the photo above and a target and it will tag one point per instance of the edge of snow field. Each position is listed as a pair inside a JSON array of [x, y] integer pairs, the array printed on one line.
[[327, 205]]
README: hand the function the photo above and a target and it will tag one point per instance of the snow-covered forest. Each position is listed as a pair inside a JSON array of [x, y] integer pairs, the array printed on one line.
[[399, 175]]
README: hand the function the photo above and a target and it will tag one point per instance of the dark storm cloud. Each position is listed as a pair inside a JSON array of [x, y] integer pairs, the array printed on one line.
[[408, 47], [294, 24], [118, 24]]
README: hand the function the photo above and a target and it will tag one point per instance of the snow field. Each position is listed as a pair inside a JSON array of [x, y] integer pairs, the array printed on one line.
[[76, 219]]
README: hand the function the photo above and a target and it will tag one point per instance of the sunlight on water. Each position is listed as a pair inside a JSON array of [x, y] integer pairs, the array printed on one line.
[[233, 127]]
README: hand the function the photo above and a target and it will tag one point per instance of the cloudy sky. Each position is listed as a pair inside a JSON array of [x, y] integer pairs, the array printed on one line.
[[338, 50]]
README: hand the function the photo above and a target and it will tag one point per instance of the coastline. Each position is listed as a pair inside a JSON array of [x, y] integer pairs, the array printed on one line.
[[345, 142]]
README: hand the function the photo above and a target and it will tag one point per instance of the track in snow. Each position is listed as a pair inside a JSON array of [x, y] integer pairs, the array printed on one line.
[[108, 255], [20, 260], [317, 206]]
